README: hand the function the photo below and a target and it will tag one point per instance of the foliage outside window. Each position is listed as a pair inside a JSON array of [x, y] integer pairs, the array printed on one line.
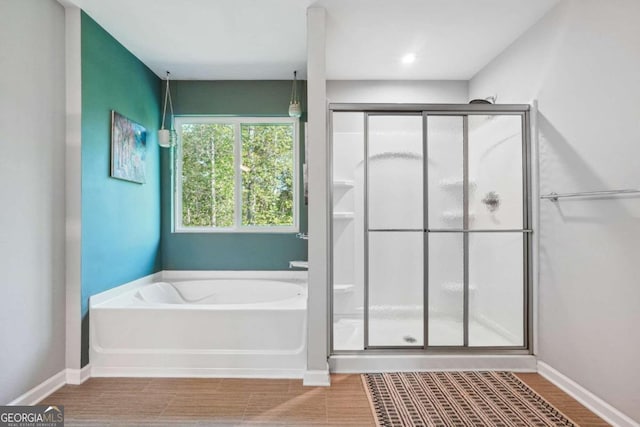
[[236, 174]]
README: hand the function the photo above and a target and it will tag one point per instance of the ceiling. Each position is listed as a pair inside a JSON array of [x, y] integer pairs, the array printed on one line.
[[266, 39]]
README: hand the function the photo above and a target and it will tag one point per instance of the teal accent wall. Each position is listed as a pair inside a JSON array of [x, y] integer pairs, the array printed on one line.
[[120, 219], [230, 251]]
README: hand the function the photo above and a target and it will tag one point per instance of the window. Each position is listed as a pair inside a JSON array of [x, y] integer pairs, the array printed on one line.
[[236, 174]]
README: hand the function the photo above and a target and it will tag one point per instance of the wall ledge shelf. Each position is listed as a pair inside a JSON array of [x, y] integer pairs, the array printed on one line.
[[343, 183], [343, 288], [343, 215]]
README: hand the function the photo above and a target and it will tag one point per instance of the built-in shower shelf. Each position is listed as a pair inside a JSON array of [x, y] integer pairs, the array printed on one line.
[[343, 215], [456, 183], [451, 216], [343, 288], [457, 287], [343, 183]]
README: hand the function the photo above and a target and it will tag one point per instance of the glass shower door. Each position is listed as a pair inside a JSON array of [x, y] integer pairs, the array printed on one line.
[[477, 236], [446, 189], [497, 238], [394, 232], [430, 229]]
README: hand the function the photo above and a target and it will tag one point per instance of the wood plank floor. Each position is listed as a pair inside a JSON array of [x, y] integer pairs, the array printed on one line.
[[190, 401], [561, 400]]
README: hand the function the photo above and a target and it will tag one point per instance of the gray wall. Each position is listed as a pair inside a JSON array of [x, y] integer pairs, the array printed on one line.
[[582, 62], [32, 223], [231, 251]]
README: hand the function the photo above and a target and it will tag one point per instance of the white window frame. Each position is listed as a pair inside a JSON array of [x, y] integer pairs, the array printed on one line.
[[236, 121]]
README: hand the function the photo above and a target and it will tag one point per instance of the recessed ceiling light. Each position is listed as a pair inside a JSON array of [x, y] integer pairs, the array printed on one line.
[[409, 58]]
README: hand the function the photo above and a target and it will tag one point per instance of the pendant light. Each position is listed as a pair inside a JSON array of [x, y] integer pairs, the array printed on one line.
[[295, 109], [167, 137]]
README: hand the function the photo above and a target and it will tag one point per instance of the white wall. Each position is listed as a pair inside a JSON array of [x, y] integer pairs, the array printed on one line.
[[317, 367], [32, 230], [73, 185], [396, 91], [582, 62]]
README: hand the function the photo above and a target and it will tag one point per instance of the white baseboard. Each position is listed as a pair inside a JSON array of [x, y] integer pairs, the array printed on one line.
[[317, 378], [584, 396], [139, 372], [78, 376], [42, 390]]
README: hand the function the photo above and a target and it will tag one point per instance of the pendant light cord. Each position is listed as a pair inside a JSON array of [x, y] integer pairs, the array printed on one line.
[[294, 93], [167, 95], [170, 106]]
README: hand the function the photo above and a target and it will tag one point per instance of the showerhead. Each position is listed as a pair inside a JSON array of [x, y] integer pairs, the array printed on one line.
[[487, 100]]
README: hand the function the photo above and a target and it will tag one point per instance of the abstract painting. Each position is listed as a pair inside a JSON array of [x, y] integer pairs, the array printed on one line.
[[128, 149]]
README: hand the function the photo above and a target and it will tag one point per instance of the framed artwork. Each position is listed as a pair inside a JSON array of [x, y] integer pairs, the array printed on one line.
[[128, 149]]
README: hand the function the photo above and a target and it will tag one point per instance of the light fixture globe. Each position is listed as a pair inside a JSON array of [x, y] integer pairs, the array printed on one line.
[[164, 138], [295, 109]]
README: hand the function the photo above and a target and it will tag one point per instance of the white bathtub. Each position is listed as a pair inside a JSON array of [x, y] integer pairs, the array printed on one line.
[[229, 324]]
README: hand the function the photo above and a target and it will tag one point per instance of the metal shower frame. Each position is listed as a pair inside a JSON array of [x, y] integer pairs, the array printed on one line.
[[426, 110]]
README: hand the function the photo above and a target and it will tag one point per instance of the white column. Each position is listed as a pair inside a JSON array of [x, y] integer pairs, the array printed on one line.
[[73, 187], [317, 367]]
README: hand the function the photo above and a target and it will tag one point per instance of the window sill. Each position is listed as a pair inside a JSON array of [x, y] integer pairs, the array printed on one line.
[[244, 230]]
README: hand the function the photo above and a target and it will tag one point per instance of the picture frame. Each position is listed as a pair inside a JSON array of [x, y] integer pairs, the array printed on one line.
[[128, 149]]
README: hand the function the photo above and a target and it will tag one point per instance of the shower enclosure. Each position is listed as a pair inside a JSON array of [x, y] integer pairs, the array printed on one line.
[[430, 228]]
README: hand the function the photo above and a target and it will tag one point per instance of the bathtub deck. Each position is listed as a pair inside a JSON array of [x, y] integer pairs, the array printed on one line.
[[180, 401]]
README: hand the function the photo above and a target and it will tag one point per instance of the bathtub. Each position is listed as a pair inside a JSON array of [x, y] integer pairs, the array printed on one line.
[[198, 324]]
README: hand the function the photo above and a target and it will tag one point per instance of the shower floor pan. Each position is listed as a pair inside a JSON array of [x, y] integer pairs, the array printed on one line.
[[348, 333]]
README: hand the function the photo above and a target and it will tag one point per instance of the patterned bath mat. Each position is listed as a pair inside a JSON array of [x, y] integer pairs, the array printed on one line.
[[458, 399]]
